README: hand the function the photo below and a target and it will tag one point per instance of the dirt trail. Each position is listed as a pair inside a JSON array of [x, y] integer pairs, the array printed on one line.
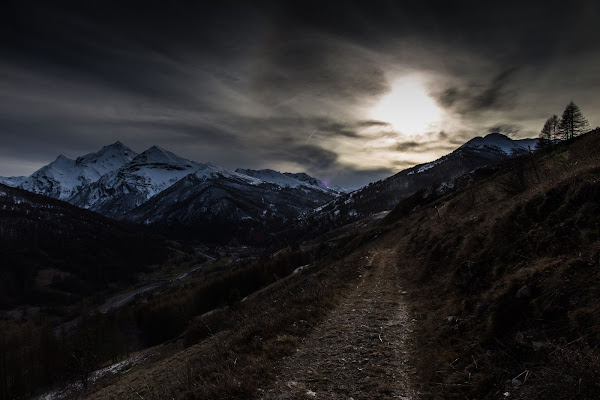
[[361, 350]]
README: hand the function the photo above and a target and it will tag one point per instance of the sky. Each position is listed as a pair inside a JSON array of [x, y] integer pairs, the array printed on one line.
[[349, 92]]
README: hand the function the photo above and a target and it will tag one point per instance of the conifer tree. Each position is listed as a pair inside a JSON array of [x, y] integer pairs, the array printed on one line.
[[572, 123], [548, 133]]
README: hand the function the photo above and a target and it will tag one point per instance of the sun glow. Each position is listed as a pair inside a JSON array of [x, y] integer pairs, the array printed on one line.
[[408, 108]]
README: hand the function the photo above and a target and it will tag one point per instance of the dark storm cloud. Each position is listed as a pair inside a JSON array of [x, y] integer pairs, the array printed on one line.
[[310, 63], [496, 94], [271, 83], [506, 129], [370, 123], [407, 146], [305, 154], [348, 129], [349, 176], [430, 145], [476, 97]]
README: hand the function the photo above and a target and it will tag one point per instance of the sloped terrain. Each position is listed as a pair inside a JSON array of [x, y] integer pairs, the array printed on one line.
[[54, 253], [64, 177], [506, 278], [282, 341], [220, 208], [488, 292], [385, 194], [123, 189]]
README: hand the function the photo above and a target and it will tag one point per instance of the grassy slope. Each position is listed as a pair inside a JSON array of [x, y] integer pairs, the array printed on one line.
[[234, 354], [465, 255], [468, 255], [53, 253]]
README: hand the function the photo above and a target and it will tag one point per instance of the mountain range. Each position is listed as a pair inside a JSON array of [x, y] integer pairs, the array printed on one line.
[[160, 188], [437, 175], [184, 197]]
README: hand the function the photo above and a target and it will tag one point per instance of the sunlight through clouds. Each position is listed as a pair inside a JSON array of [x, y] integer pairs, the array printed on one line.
[[408, 107]]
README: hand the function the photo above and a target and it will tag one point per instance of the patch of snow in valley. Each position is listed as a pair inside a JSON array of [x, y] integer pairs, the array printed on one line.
[[300, 268], [71, 389]]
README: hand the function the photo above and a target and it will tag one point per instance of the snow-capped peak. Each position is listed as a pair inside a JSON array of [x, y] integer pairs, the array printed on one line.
[[503, 143], [115, 179], [116, 148], [63, 177], [61, 161], [149, 173], [286, 179], [107, 159], [271, 176], [12, 181], [210, 170], [156, 155], [304, 177], [56, 179]]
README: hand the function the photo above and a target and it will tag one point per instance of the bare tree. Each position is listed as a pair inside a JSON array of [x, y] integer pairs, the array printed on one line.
[[84, 358]]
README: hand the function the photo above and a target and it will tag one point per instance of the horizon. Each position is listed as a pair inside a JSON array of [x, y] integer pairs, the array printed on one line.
[[233, 169], [347, 92]]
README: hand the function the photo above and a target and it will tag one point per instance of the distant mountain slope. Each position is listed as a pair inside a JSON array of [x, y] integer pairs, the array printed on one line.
[[497, 141], [220, 206], [54, 252], [118, 183], [288, 179], [135, 182], [116, 180], [64, 177], [12, 181], [505, 282], [385, 194]]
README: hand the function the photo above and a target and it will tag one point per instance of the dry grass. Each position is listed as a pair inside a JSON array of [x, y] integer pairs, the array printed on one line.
[[465, 255], [470, 253], [234, 354]]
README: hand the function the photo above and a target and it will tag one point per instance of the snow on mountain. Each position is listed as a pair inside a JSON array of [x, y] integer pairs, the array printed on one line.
[[210, 170], [156, 156], [156, 169], [221, 205], [12, 181], [116, 180], [287, 179], [339, 189], [304, 177], [57, 179], [147, 174], [63, 177], [271, 176], [501, 142], [385, 194], [108, 159]]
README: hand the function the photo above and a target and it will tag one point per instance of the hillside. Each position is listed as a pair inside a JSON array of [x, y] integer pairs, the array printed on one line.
[[439, 175], [494, 286], [55, 253], [505, 279], [227, 207]]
